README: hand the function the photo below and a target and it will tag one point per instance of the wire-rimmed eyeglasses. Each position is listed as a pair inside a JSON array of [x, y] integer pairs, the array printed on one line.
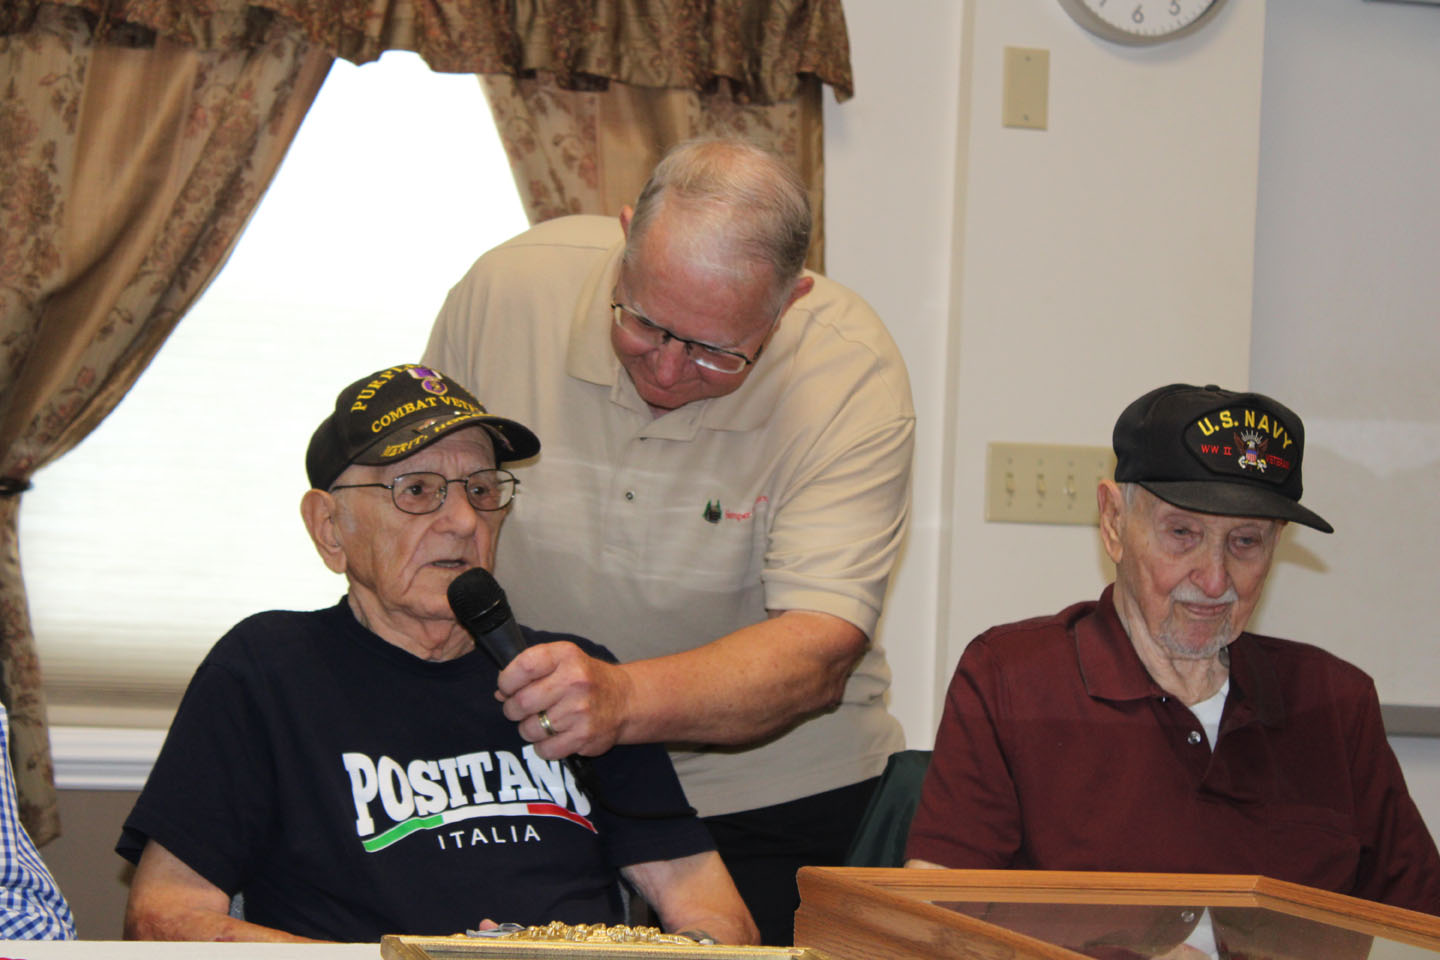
[[421, 493], [703, 354]]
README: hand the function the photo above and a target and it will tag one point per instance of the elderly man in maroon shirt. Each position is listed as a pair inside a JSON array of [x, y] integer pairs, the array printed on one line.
[[1148, 731]]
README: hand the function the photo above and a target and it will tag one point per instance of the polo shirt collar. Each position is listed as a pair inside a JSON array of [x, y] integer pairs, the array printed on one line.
[[590, 357], [1253, 674], [1111, 669], [1109, 665]]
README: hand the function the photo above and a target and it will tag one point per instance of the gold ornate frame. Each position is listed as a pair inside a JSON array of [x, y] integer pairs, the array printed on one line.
[[475, 948]]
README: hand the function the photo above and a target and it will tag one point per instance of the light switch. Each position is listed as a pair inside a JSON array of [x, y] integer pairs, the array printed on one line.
[[1042, 483], [1027, 88]]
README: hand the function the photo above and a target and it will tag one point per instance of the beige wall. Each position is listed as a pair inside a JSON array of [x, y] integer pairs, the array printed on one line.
[[92, 876], [1347, 322]]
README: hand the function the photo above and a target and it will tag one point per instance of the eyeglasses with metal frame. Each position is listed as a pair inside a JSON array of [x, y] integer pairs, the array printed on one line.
[[425, 492], [703, 354]]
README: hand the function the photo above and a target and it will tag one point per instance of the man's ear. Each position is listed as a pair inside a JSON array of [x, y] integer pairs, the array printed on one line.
[[1111, 500], [318, 509], [803, 285], [627, 213]]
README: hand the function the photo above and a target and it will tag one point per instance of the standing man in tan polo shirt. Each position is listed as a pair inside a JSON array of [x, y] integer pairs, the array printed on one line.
[[722, 496]]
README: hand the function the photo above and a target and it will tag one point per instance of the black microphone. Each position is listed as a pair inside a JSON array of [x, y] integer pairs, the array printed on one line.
[[479, 605]]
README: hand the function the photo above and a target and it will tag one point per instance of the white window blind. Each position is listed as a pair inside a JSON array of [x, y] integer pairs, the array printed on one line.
[[180, 514]]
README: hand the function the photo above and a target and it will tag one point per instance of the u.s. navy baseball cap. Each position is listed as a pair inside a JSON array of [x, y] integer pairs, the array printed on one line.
[[395, 412], [1215, 451]]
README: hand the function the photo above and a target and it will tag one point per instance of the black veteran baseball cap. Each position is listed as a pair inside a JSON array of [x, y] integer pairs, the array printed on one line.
[[1215, 451], [395, 412]]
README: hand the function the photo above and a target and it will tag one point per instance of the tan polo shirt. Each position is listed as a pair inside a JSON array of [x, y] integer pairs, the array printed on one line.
[[657, 535]]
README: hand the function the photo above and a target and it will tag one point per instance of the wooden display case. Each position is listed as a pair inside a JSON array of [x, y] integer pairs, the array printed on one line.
[[852, 913]]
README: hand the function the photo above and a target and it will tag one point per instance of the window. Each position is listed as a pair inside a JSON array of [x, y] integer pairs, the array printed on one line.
[[180, 514]]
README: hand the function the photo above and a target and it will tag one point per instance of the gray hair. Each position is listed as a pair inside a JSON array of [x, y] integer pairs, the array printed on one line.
[[746, 200]]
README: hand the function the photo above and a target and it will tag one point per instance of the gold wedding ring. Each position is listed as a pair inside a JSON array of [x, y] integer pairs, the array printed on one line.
[[545, 724]]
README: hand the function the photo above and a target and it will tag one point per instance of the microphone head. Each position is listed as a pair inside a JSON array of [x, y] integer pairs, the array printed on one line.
[[478, 601]]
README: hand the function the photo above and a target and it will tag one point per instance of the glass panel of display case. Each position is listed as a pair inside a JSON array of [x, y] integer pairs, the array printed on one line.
[[863, 913], [1193, 932]]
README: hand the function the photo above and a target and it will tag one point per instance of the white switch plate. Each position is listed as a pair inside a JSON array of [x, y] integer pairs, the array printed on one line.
[[1044, 483], [1025, 99]]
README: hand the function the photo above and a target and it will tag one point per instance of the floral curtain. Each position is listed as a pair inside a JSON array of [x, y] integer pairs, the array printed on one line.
[[602, 90], [129, 164], [577, 151]]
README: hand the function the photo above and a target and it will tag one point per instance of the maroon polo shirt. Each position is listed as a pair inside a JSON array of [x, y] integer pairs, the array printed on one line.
[[1057, 751]]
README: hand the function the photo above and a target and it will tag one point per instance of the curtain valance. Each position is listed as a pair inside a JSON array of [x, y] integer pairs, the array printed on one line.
[[759, 51]]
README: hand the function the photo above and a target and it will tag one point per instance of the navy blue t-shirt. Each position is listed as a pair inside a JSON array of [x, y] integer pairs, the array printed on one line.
[[351, 789]]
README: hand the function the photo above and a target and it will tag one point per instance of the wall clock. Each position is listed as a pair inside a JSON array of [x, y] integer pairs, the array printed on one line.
[[1141, 21]]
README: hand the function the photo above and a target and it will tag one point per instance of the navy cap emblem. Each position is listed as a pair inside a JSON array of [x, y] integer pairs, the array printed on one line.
[[1240, 441]]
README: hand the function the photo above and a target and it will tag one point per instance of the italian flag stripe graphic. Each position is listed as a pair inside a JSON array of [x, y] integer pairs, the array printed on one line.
[[406, 827]]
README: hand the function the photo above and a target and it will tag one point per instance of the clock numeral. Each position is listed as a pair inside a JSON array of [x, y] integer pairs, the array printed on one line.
[[1141, 22]]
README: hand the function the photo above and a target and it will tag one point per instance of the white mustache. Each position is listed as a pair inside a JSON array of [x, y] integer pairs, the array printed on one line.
[[1189, 593]]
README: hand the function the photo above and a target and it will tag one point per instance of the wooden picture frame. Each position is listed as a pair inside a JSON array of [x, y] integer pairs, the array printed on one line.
[[858, 913]]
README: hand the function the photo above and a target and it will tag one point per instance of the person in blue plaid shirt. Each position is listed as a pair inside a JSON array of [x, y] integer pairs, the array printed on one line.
[[31, 906]]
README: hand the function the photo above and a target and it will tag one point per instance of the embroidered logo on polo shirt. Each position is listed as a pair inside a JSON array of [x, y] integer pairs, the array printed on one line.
[[714, 512]]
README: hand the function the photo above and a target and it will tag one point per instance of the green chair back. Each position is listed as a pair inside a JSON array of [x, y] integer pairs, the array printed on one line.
[[880, 838]]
